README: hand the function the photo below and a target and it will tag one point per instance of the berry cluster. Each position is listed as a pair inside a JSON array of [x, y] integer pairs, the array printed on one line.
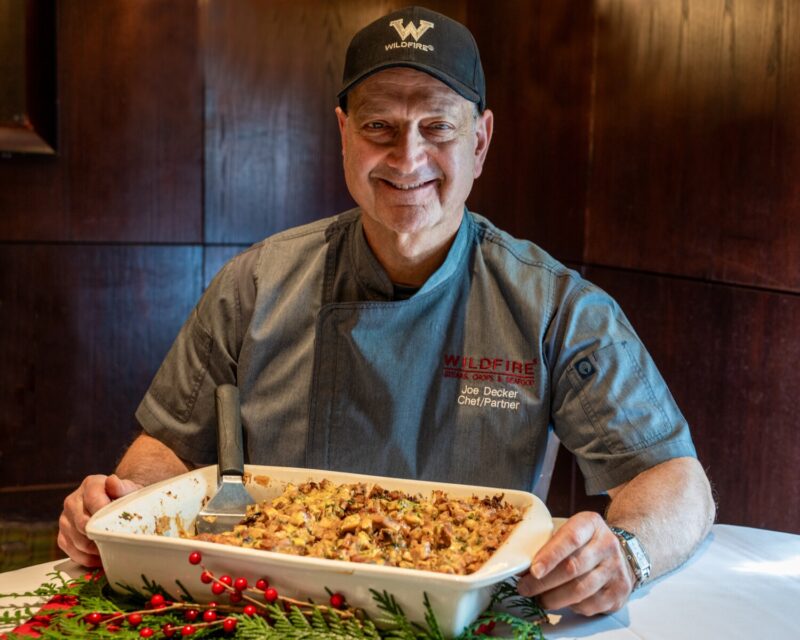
[[201, 616]]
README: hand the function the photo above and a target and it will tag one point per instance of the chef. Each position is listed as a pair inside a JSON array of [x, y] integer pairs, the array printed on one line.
[[411, 337]]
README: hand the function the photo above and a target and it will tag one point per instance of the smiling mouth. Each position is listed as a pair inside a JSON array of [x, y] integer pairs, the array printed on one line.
[[407, 187]]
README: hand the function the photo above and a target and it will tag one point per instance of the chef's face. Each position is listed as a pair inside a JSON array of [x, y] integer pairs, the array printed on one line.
[[412, 148]]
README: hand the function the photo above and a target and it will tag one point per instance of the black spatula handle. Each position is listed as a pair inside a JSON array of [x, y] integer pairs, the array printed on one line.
[[229, 431]]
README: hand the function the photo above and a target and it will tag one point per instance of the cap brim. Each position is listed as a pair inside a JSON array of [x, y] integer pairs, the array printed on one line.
[[459, 87]]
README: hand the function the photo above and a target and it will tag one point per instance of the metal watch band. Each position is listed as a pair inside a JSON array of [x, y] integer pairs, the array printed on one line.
[[635, 554]]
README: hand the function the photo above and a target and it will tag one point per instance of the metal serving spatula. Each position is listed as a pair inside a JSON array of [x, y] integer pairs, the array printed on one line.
[[227, 507]]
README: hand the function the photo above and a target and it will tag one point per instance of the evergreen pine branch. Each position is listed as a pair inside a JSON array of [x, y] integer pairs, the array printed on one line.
[[300, 622], [153, 588], [18, 616], [253, 628], [504, 591], [506, 594], [188, 597], [522, 629], [398, 626], [434, 631]]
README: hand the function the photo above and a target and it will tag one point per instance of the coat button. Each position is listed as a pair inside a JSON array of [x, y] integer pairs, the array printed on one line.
[[584, 368]]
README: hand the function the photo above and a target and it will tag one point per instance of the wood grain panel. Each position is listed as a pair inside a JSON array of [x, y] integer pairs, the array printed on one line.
[[16, 502], [696, 147], [135, 148], [537, 58], [89, 327], [729, 355], [131, 131], [567, 494], [33, 202], [273, 155]]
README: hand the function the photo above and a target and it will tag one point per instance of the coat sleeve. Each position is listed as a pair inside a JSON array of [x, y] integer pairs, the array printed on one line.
[[178, 408], [610, 405]]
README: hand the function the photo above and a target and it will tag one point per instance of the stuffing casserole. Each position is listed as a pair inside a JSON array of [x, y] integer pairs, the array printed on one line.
[[373, 525]]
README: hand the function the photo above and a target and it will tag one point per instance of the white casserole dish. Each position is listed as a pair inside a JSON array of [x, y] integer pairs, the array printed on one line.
[[125, 532]]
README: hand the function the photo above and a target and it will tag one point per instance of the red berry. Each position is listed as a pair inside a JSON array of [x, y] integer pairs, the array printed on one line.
[[94, 618], [113, 628], [134, 619], [249, 610], [191, 614], [262, 584], [271, 594], [485, 628], [337, 600], [206, 577], [157, 601], [209, 616], [146, 632], [169, 630], [240, 584], [188, 630], [229, 624], [235, 597], [195, 557], [217, 588], [226, 580]]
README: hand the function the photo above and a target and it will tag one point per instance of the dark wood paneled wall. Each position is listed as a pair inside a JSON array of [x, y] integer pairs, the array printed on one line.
[[693, 223], [652, 145], [100, 247]]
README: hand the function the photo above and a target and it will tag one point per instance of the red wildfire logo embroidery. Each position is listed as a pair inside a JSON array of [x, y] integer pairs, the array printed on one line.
[[483, 369]]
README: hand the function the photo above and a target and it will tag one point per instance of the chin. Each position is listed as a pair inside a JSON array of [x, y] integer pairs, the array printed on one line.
[[408, 218]]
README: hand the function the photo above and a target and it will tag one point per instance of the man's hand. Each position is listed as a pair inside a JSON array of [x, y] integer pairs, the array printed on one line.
[[147, 460], [94, 493], [582, 567]]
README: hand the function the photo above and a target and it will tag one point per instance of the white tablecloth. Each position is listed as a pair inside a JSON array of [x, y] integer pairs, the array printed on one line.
[[742, 583]]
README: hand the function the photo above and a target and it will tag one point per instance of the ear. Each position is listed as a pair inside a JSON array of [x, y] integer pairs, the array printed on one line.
[[341, 117], [483, 132]]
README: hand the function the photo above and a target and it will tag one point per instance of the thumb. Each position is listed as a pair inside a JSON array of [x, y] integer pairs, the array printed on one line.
[[117, 487]]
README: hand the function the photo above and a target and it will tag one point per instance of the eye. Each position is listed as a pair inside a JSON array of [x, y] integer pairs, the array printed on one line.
[[439, 130], [375, 125]]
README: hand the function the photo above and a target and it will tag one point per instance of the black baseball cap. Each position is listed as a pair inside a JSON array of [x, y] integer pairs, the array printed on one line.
[[421, 39]]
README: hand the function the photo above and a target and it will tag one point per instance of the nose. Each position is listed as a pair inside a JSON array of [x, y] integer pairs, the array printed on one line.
[[409, 150]]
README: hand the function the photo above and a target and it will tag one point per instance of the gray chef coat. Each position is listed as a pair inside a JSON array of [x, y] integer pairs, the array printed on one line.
[[458, 383]]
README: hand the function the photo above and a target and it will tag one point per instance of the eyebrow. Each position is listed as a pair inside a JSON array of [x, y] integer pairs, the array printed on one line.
[[371, 105]]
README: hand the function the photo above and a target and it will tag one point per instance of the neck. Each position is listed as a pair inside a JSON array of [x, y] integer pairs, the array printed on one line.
[[408, 259], [412, 272]]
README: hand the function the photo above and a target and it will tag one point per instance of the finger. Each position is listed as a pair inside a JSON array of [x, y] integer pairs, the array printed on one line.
[[93, 494], [76, 546], [579, 563], [73, 521], [577, 590], [117, 487], [573, 535], [610, 598], [75, 532], [85, 559]]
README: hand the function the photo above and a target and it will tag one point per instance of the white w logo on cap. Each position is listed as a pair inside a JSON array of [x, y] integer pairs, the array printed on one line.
[[410, 29]]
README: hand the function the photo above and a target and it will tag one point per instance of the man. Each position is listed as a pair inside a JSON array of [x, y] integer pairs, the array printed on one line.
[[410, 337]]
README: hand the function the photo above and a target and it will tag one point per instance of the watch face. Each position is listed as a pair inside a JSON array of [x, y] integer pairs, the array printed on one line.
[[635, 554]]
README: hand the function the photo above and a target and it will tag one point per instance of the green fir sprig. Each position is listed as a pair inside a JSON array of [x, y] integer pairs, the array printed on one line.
[[284, 619]]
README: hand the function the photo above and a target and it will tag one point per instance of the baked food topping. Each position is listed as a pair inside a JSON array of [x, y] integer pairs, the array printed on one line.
[[370, 524]]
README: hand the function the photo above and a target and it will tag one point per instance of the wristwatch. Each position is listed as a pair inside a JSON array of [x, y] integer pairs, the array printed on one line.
[[635, 554]]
